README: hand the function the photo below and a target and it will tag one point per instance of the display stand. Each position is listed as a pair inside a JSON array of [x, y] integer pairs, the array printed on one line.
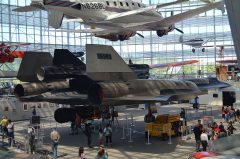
[[123, 133], [170, 137], [148, 138], [130, 134]]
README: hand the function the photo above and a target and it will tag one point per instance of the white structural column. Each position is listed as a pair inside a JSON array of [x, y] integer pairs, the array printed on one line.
[[233, 9]]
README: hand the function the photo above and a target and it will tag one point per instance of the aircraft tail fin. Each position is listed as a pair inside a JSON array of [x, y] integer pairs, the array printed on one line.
[[65, 57], [55, 18], [105, 64], [27, 71], [220, 7]]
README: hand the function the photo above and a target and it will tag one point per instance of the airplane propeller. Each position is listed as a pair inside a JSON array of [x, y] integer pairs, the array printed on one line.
[[179, 30], [140, 35], [172, 13]]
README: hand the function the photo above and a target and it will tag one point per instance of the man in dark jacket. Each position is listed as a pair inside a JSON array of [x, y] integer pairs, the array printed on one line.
[[88, 133], [197, 133]]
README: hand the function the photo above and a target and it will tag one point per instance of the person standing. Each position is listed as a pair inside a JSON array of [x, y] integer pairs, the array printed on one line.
[[108, 134], [55, 136], [100, 134], [230, 128], [182, 114], [223, 113], [102, 153], [34, 113], [77, 123], [204, 140], [88, 133], [4, 124], [10, 129], [81, 154], [197, 133], [31, 139], [196, 103]]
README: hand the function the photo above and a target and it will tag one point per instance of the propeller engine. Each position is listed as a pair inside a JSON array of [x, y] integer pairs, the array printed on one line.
[[165, 31]]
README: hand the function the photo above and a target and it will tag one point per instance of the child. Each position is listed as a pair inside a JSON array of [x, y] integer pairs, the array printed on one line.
[[81, 154]]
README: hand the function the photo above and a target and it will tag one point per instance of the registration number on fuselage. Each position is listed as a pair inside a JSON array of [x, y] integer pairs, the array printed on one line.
[[92, 6]]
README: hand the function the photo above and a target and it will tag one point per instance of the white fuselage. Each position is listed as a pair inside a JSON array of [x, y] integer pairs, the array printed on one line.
[[94, 12]]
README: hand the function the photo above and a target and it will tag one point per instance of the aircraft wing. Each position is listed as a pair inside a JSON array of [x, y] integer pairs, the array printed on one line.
[[173, 64], [59, 99], [144, 99], [8, 74], [172, 19], [92, 31], [26, 9], [16, 45], [161, 98], [141, 10]]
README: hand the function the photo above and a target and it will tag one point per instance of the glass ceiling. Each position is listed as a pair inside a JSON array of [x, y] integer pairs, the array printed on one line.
[[212, 26]]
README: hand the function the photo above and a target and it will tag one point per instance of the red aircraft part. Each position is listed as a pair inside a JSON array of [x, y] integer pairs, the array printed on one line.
[[173, 64], [17, 54], [199, 155], [9, 57]]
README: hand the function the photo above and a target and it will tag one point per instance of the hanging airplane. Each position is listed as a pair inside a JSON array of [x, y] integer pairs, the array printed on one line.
[[199, 42], [114, 19], [9, 52], [142, 70], [107, 81]]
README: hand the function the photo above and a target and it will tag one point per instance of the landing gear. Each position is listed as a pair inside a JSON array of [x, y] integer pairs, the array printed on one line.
[[194, 50]]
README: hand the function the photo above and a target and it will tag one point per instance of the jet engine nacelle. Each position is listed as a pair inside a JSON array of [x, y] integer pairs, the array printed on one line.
[[63, 115], [98, 92], [38, 88], [118, 36], [49, 73], [164, 31]]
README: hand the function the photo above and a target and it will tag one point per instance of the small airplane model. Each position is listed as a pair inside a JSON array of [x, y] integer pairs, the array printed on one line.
[[198, 42], [105, 80], [142, 70], [7, 54], [115, 20]]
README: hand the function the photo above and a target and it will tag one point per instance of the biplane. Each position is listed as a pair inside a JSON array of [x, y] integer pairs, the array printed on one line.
[[9, 52]]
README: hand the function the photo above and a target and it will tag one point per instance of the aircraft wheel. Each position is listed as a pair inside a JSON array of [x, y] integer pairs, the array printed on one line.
[[193, 50], [203, 49]]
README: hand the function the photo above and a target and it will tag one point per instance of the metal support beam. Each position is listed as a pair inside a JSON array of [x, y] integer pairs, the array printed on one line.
[[233, 9]]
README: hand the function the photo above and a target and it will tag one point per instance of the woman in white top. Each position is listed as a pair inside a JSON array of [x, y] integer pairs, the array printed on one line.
[[10, 129], [204, 140]]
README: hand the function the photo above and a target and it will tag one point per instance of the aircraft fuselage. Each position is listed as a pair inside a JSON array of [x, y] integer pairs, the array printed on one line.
[[92, 12]]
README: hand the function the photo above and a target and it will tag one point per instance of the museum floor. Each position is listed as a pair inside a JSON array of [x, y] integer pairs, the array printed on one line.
[[137, 149]]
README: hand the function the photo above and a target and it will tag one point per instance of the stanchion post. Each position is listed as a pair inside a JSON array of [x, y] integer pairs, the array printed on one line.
[[130, 134], [127, 125], [11, 143], [170, 137], [148, 138], [123, 134]]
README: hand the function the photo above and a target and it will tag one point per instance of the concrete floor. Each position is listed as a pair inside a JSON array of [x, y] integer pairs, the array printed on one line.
[[137, 149]]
